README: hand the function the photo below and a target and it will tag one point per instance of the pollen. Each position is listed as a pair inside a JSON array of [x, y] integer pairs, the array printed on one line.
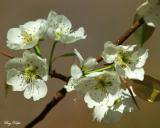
[[27, 37], [31, 71], [103, 83]]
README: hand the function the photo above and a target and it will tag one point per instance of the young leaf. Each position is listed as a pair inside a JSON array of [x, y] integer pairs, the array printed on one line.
[[144, 32], [64, 55], [148, 89], [67, 54]]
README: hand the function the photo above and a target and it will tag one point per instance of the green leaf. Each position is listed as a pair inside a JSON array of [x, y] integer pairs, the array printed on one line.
[[67, 54], [148, 89], [144, 32]]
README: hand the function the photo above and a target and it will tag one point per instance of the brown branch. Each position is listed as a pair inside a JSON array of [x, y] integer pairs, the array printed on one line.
[[59, 76], [125, 36], [57, 97], [61, 93], [6, 54]]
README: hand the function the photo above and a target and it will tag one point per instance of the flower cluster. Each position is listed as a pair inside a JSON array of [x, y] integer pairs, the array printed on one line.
[[101, 87], [30, 72]]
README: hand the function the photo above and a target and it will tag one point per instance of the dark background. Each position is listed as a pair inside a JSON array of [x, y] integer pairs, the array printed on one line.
[[103, 20]]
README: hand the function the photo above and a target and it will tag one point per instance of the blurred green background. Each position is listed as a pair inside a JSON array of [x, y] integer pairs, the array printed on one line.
[[103, 20]]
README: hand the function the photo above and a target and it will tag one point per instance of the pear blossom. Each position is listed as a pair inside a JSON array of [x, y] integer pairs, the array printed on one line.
[[112, 107], [28, 74], [78, 72], [27, 35], [150, 12], [60, 29], [127, 64], [97, 85]]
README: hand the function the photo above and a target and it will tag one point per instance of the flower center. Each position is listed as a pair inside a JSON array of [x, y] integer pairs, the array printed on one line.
[[31, 72], [123, 58], [27, 37], [103, 83]]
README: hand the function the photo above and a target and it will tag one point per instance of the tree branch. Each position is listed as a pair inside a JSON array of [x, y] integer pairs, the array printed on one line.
[[125, 36], [6, 54], [61, 93], [57, 97], [59, 76]]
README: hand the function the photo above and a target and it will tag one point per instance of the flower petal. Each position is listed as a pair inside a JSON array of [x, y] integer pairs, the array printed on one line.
[[37, 89], [135, 73], [90, 102], [128, 48], [76, 72], [74, 36], [139, 57], [14, 39], [16, 80], [110, 52], [99, 112], [79, 56], [89, 64]]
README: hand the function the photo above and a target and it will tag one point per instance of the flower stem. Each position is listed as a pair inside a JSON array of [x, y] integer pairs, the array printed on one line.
[[51, 57], [101, 69], [37, 50]]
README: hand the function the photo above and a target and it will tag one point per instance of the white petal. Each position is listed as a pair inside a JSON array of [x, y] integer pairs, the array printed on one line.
[[71, 85], [121, 72], [16, 80], [110, 52], [14, 39], [16, 63], [128, 48], [139, 57], [99, 112], [89, 64], [37, 90], [97, 94], [90, 102], [74, 36], [137, 73], [79, 56], [76, 72], [51, 34]]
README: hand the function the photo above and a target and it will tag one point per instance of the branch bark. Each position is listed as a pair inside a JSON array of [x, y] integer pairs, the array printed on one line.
[[61, 93]]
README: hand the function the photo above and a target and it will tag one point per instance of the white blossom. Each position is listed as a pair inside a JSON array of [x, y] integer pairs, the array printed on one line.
[[97, 85], [150, 11], [127, 64], [112, 107], [77, 72], [27, 35], [28, 74], [60, 29]]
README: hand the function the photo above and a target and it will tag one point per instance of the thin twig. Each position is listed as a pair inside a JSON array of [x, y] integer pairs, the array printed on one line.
[[125, 36], [6, 54], [131, 92], [61, 94]]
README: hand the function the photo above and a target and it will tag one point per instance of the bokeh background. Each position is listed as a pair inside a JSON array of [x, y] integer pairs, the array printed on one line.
[[103, 20]]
